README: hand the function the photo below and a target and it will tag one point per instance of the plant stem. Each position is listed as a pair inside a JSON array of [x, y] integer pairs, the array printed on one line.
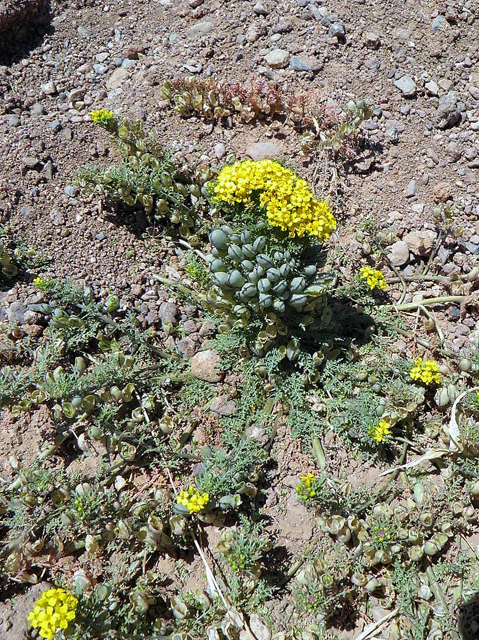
[[406, 306]]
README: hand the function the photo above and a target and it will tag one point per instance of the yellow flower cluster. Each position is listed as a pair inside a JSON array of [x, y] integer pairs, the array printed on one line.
[[374, 278], [52, 612], [380, 431], [288, 200], [101, 116], [192, 499], [304, 489], [427, 372]]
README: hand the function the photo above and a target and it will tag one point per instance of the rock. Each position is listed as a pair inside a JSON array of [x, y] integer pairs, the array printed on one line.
[[398, 253], [420, 243], [116, 80], [411, 189], [438, 23], [49, 88], [200, 29], [204, 366], [442, 192], [448, 115], [260, 10], [168, 313], [372, 40], [13, 615], [454, 151], [187, 347], [71, 190], [432, 88], [219, 150], [38, 109], [277, 59], [13, 121], [300, 64], [337, 30], [16, 313], [394, 124], [255, 31], [406, 85], [258, 628], [260, 150], [55, 126], [223, 406], [282, 26]]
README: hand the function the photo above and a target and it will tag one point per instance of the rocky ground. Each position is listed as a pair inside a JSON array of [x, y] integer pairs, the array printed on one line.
[[415, 62]]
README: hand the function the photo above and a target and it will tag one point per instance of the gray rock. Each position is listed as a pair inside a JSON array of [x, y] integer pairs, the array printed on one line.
[[278, 58], [260, 10], [448, 114], [438, 23], [55, 126], [219, 150], [168, 313], [200, 29], [187, 347], [300, 64], [49, 88], [420, 243], [406, 85], [255, 31], [100, 69], [16, 312], [282, 26], [315, 12], [398, 253], [337, 30], [116, 80], [411, 189], [372, 40], [57, 218], [71, 191], [432, 88], [13, 121], [260, 150], [37, 109], [85, 32], [223, 406], [395, 124], [204, 366]]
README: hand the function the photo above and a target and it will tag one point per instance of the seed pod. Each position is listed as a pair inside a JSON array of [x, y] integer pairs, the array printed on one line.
[[264, 261], [247, 265], [247, 291], [279, 306], [441, 397], [245, 236], [273, 275], [298, 302], [248, 251], [217, 265], [235, 253], [358, 579], [259, 244], [264, 300], [284, 270], [465, 365], [310, 270], [372, 585], [219, 239], [298, 284], [220, 278], [430, 548], [264, 285], [236, 279]]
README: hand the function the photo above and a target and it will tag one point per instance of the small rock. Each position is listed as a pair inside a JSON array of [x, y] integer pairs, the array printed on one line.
[[260, 150], [204, 366], [442, 192], [71, 190], [255, 31], [55, 126], [260, 10], [300, 64], [398, 253], [282, 26], [168, 313], [187, 347], [420, 243], [200, 29], [372, 40], [116, 80], [37, 109], [49, 88], [133, 51], [219, 150], [101, 57], [411, 189], [13, 121], [189, 327], [432, 88], [30, 162], [448, 115], [277, 59], [438, 23], [100, 69], [406, 85], [223, 406], [337, 30], [454, 151]]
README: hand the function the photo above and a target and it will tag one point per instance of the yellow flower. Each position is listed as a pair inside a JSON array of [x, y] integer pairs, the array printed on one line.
[[374, 278], [102, 116], [287, 199], [427, 372], [192, 499], [304, 489], [380, 432], [53, 611]]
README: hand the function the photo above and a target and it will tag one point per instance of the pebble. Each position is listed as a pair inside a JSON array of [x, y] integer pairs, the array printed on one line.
[[55, 126], [204, 366], [260, 150], [49, 88], [13, 121], [219, 150], [432, 88], [254, 32], [448, 115], [187, 347], [442, 192], [71, 190], [223, 406], [260, 10], [411, 189], [100, 69], [116, 80], [37, 109], [337, 30], [420, 243], [398, 253], [372, 40], [168, 312], [282, 26], [200, 29], [278, 58], [406, 85], [438, 23]]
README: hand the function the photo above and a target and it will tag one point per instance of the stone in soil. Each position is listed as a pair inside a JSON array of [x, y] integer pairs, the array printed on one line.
[[204, 366], [223, 406], [420, 243], [398, 253], [407, 86], [442, 192], [277, 59], [260, 150]]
